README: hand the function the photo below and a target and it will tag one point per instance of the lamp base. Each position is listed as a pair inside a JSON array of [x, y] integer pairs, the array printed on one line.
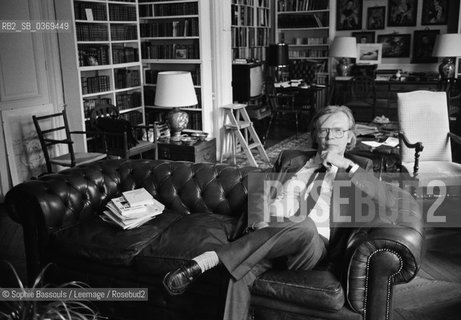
[[176, 136], [177, 121], [447, 69], [344, 69]]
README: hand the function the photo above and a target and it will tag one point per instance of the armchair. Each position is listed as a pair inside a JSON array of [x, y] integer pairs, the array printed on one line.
[[425, 148], [121, 139]]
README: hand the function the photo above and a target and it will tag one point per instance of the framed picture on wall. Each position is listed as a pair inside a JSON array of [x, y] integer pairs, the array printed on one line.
[[369, 53], [402, 13], [434, 12], [395, 45], [364, 36], [423, 43], [375, 18], [349, 14]]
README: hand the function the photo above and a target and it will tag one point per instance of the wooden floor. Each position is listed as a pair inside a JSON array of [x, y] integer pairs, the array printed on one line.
[[434, 294]]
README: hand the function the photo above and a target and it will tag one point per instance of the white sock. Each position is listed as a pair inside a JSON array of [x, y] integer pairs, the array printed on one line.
[[207, 260]]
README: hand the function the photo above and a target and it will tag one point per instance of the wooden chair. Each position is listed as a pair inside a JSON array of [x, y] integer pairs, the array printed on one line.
[[425, 148], [362, 98], [280, 103], [50, 128], [117, 140]]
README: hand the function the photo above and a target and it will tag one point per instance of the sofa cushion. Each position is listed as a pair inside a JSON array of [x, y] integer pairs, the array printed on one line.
[[316, 289], [183, 240], [99, 241]]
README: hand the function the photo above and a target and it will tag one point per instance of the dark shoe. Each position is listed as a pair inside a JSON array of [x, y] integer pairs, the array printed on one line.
[[176, 282]]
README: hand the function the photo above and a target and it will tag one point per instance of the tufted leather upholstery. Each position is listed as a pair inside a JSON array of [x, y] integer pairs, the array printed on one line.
[[302, 69], [205, 207]]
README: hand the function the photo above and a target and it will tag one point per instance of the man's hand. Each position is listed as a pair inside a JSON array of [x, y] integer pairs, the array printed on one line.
[[333, 159]]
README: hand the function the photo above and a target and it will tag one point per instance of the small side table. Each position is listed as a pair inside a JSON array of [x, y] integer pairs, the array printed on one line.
[[203, 151]]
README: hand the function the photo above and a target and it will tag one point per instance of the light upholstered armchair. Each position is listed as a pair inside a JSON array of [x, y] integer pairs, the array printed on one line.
[[425, 146]]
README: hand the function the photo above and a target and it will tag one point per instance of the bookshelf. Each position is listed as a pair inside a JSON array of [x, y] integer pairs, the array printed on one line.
[[176, 36], [251, 28], [304, 26], [102, 58]]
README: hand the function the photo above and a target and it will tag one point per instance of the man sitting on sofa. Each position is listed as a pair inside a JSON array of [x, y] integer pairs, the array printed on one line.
[[305, 242]]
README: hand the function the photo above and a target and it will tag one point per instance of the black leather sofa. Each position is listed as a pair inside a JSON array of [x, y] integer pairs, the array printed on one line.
[[206, 206]]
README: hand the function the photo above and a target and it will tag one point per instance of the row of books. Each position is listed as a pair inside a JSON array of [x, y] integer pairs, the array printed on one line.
[[128, 100], [170, 51], [259, 3], [121, 54], [90, 104], [132, 209], [177, 28], [258, 53], [93, 55], [317, 20], [250, 37], [90, 11], [92, 32], [302, 53], [242, 15], [171, 9], [302, 5], [123, 32], [134, 117], [151, 75], [125, 78], [122, 13], [95, 84]]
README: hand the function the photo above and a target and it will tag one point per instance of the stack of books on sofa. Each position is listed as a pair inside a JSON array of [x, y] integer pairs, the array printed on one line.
[[132, 209]]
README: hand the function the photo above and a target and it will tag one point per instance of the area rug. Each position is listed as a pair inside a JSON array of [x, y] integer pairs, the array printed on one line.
[[427, 299], [303, 142]]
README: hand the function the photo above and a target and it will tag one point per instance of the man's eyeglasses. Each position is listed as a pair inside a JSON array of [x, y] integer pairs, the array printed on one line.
[[334, 132]]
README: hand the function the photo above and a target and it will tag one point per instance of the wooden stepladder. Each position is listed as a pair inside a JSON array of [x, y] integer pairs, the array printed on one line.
[[239, 128]]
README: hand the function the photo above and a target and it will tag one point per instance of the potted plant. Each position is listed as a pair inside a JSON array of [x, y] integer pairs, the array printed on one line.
[[29, 309]]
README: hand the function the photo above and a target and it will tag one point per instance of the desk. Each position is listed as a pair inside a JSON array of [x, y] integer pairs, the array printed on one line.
[[202, 151], [386, 93]]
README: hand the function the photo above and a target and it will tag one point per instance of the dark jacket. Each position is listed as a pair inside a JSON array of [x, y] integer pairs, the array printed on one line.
[[363, 183]]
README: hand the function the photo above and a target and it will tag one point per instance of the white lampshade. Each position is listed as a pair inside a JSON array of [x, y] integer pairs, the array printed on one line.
[[344, 47], [447, 45], [175, 89]]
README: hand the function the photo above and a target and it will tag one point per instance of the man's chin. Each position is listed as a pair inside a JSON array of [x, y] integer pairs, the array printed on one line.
[[334, 149]]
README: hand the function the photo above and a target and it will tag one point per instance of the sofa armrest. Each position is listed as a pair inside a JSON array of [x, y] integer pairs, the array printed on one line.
[[380, 256]]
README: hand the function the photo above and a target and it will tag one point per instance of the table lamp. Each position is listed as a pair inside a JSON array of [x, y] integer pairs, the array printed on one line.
[[278, 58], [175, 89], [343, 48], [448, 46]]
